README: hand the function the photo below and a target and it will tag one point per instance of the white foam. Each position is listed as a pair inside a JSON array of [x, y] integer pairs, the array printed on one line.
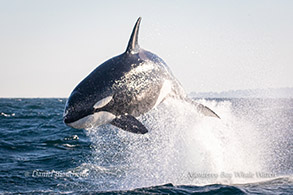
[[181, 147]]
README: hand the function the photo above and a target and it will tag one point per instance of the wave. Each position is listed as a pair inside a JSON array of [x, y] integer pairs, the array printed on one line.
[[281, 185]]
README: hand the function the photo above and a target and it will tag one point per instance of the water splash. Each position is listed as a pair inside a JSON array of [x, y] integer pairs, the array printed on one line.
[[181, 148]]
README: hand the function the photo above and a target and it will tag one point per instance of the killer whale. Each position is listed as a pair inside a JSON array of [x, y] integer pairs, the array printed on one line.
[[123, 88]]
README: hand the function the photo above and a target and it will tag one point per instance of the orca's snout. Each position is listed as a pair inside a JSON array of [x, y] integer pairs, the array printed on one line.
[[69, 115], [73, 114], [66, 120]]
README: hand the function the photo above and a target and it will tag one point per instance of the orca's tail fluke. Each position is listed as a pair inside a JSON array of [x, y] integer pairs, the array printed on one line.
[[206, 111], [133, 46]]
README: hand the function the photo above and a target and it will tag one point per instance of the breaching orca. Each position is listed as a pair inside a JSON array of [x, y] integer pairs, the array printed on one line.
[[123, 88]]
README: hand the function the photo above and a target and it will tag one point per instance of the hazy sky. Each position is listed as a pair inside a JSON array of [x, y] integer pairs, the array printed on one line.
[[48, 46]]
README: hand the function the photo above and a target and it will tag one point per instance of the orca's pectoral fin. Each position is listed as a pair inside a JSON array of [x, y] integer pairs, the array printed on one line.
[[206, 111], [129, 123], [203, 109]]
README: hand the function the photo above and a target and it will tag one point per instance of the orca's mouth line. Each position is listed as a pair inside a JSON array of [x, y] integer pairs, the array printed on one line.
[[91, 120], [70, 120]]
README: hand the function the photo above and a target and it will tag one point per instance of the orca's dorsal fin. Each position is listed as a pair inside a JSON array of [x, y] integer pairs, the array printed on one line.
[[133, 46]]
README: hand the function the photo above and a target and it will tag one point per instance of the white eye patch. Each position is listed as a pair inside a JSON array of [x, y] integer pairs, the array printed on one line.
[[103, 102]]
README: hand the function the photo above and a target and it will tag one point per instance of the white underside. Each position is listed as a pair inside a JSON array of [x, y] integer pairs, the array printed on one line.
[[165, 90], [93, 120]]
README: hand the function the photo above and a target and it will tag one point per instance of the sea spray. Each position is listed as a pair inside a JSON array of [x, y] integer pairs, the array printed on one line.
[[181, 146]]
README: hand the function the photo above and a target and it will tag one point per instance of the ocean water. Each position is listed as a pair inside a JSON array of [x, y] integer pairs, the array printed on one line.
[[247, 151]]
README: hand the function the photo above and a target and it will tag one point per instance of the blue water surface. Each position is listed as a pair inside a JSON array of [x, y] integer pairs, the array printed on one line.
[[39, 154]]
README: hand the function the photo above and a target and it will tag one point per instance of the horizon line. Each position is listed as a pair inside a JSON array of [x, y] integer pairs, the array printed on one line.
[[230, 90]]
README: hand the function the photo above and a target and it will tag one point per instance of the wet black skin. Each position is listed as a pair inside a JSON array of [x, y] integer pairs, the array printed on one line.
[[109, 79]]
